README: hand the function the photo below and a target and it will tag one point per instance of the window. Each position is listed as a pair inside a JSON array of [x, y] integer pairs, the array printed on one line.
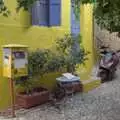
[[46, 13]]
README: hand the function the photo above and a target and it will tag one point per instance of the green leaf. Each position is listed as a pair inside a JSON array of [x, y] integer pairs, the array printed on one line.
[[107, 14]]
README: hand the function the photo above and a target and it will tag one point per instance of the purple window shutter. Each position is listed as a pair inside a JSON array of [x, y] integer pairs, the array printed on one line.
[[40, 13], [43, 13], [54, 12], [35, 14]]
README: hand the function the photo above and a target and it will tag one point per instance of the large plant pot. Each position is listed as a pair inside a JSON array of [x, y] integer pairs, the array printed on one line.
[[38, 97]]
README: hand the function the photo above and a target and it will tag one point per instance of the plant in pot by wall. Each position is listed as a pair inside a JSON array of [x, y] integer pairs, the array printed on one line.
[[33, 94]]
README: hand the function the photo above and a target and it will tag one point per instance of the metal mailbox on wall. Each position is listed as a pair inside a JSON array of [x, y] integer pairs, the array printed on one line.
[[15, 62]]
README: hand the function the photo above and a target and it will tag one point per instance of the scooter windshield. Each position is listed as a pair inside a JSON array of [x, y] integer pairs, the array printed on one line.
[[108, 57]]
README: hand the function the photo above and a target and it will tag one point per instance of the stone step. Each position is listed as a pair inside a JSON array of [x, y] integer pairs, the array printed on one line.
[[90, 84]]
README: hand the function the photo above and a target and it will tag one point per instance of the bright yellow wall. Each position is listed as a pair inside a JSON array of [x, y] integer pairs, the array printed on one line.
[[88, 33], [86, 29], [17, 29]]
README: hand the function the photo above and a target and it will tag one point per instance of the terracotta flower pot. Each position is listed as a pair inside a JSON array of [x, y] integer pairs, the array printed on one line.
[[38, 97]]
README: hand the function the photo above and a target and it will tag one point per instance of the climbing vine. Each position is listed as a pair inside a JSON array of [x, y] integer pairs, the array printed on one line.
[[77, 6], [26, 4], [3, 9], [107, 14]]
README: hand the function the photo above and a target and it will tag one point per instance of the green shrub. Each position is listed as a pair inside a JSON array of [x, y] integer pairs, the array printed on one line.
[[71, 49], [44, 61], [69, 52], [36, 61]]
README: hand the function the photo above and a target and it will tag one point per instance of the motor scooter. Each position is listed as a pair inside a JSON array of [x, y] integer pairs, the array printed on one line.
[[108, 66]]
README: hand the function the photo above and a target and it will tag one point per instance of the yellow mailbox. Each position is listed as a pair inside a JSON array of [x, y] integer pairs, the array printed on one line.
[[15, 60]]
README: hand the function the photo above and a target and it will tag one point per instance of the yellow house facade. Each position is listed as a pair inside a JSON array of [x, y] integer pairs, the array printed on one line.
[[17, 29]]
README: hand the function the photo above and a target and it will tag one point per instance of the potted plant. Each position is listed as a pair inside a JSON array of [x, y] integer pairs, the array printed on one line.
[[32, 94]]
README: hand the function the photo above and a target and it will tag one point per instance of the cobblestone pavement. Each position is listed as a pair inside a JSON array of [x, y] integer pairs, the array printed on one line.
[[102, 103]]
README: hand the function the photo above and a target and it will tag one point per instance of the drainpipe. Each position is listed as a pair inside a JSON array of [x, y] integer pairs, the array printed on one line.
[[48, 13], [94, 42]]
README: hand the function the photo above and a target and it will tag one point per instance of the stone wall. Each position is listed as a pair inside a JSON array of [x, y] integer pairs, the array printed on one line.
[[106, 38]]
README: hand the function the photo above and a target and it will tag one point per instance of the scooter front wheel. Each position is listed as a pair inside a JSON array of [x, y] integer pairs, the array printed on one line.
[[104, 75]]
